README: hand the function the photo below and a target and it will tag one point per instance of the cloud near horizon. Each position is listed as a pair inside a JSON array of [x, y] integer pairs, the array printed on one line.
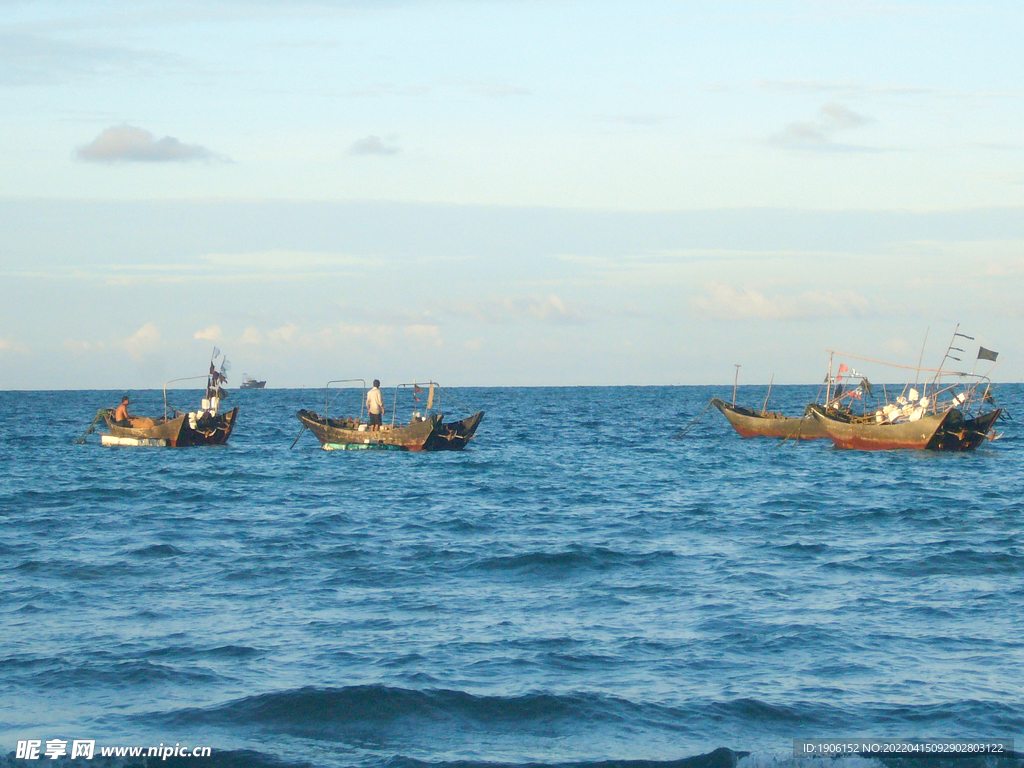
[[374, 145], [211, 333], [819, 134], [543, 309], [142, 343], [6, 345], [724, 302], [126, 143], [251, 336]]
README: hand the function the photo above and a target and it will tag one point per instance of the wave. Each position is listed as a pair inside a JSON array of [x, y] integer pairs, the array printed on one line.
[[157, 550], [380, 704], [117, 674], [586, 558], [350, 713]]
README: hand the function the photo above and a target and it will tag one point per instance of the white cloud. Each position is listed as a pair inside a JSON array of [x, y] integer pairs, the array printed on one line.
[[843, 87], [343, 334], [424, 334], [35, 60], [725, 302], [820, 134], [346, 336], [543, 309], [129, 144], [286, 334], [251, 336], [211, 333], [83, 347], [374, 145], [499, 89], [6, 345], [142, 343]]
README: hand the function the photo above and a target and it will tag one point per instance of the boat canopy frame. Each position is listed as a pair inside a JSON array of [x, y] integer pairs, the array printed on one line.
[[175, 381], [433, 386], [327, 394]]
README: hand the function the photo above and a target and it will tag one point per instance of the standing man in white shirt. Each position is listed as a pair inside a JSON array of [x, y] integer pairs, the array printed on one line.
[[375, 406]]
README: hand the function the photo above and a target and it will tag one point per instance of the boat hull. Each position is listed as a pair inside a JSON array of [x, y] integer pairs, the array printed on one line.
[[948, 431], [967, 434], [453, 436], [748, 423], [431, 434]]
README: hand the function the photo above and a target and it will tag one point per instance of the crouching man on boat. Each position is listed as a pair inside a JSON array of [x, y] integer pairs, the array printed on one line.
[[375, 406], [121, 416]]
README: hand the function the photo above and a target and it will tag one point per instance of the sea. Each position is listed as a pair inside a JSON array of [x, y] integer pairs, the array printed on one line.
[[606, 576]]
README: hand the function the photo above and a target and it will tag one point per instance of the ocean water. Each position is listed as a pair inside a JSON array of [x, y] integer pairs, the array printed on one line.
[[576, 588]]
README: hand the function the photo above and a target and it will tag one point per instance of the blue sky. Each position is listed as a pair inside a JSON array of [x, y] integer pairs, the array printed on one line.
[[520, 192]]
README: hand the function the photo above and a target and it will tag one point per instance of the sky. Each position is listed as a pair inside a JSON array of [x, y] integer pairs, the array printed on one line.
[[507, 193]]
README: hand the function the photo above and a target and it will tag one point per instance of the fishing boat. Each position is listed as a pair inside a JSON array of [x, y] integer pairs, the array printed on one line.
[[942, 417], [250, 383], [749, 423], [765, 423], [423, 432], [204, 426], [207, 425], [948, 430]]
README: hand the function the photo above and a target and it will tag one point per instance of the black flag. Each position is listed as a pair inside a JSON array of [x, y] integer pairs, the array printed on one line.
[[987, 354]]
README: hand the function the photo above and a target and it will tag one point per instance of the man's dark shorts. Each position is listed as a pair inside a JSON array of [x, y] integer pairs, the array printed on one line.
[[375, 419]]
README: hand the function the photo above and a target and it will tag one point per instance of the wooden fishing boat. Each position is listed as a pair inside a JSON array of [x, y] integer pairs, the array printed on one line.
[[943, 417], [944, 431], [427, 432], [203, 427], [750, 423], [207, 425]]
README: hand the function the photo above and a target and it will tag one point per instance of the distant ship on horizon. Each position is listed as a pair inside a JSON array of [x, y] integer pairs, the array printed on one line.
[[248, 382]]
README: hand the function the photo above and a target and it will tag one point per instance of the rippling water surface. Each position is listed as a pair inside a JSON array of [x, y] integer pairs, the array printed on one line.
[[576, 587]]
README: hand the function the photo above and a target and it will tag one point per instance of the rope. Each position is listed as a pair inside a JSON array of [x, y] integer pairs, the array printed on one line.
[[799, 434], [92, 427], [447, 393], [679, 435]]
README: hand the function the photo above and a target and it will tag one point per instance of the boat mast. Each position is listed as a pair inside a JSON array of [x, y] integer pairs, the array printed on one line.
[[949, 356], [764, 408], [920, 360], [828, 381]]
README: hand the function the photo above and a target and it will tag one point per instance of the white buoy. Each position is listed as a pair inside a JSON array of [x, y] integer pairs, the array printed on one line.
[[134, 442]]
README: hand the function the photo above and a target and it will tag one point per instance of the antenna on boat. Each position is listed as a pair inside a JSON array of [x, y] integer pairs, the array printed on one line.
[[735, 381], [828, 380], [949, 356], [764, 408], [920, 359]]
